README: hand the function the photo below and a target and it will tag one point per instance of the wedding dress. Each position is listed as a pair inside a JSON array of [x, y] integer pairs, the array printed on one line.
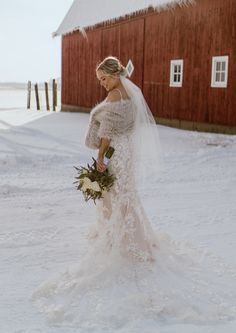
[[132, 273]]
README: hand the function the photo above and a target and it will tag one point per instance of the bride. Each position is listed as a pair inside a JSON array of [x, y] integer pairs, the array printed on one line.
[[132, 274], [122, 223]]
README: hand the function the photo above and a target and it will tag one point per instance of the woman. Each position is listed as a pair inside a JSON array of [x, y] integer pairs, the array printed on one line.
[[122, 223], [132, 275]]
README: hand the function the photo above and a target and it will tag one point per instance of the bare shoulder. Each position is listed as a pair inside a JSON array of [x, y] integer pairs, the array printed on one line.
[[113, 96]]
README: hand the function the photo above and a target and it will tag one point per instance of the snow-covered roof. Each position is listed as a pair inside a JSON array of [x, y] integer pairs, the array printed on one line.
[[87, 13]]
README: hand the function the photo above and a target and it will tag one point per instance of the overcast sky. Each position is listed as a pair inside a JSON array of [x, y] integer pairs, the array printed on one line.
[[27, 49]]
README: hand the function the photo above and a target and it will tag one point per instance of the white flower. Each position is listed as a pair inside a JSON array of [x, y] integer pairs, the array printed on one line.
[[95, 186], [83, 188], [87, 180], [86, 184]]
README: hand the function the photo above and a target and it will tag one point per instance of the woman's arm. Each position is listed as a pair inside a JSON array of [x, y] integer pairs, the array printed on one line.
[[105, 142]]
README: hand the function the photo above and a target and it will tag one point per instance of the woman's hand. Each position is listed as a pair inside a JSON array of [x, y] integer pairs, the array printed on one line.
[[100, 166]]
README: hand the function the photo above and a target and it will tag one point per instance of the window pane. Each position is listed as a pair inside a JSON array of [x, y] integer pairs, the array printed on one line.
[[217, 77], [177, 69], [223, 77], [218, 66], [223, 66], [175, 78]]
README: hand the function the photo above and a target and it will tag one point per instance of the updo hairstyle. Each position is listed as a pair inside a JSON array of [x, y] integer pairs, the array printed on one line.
[[112, 66]]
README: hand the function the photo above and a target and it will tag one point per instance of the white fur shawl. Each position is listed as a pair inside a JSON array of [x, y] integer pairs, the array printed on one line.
[[108, 119]]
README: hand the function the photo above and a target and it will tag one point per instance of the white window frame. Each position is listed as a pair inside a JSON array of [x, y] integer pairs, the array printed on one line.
[[214, 72], [173, 63]]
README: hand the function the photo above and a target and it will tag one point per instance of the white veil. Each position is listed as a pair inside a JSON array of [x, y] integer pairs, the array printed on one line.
[[148, 157]]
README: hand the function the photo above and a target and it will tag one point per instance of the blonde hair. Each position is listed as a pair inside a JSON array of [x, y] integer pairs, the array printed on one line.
[[112, 66]]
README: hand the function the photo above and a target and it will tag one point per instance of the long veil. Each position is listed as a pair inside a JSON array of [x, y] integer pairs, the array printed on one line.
[[148, 155]]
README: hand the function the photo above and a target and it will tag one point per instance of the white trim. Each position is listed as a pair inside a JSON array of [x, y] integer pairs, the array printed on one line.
[[179, 74], [214, 82]]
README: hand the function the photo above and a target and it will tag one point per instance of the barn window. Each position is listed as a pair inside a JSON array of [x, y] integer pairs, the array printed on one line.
[[176, 73], [219, 76]]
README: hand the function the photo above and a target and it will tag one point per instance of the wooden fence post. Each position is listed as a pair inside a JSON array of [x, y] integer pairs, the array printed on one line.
[[37, 96], [56, 94], [47, 98], [28, 94], [53, 95]]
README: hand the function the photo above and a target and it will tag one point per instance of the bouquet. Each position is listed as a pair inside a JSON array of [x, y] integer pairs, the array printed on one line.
[[93, 183]]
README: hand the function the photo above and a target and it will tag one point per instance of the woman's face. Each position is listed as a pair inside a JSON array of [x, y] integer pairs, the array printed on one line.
[[106, 81]]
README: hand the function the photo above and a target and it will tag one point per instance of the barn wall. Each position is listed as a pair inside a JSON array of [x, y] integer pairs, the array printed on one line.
[[151, 40], [80, 56], [184, 34], [132, 46]]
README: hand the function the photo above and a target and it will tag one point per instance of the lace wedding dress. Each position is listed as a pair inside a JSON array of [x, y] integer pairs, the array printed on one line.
[[131, 273]]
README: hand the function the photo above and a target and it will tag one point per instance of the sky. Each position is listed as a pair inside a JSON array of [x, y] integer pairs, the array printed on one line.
[[27, 49]]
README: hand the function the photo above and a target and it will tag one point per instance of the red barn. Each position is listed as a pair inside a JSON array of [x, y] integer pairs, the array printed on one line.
[[183, 52]]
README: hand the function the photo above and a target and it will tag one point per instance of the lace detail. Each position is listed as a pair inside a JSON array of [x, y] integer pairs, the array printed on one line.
[[120, 213]]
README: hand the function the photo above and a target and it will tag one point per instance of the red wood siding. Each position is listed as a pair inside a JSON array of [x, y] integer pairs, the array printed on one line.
[[80, 57], [79, 82], [132, 46], [194, 33]]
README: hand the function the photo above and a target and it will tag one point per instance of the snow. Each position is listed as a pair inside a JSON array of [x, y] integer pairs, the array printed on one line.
[[18, 98], [43, 219], [82, 13], [14, 114]]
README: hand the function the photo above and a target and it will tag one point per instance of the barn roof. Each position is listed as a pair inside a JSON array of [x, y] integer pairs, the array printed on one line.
[[87, 13]]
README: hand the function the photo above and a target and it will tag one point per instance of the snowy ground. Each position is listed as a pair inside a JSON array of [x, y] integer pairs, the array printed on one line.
[[13, 99], [43, 219]]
